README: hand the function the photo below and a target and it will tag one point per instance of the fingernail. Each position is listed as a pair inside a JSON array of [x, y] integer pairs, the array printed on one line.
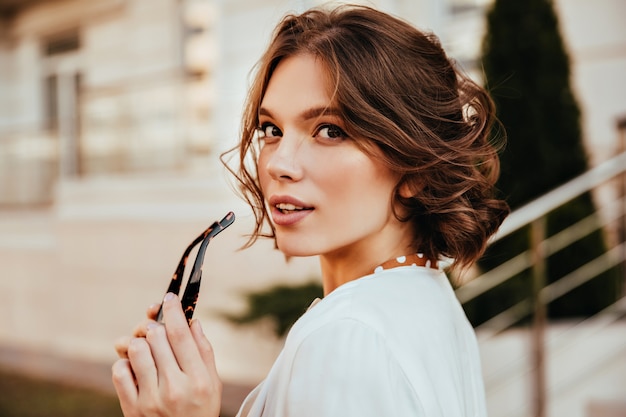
[[151, 326], [169, 296]]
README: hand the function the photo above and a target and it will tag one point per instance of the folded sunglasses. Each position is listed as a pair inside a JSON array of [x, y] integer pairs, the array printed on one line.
[[192, 289]]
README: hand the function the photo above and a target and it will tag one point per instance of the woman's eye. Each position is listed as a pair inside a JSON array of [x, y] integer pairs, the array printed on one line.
[[331, 132], [268, 130]]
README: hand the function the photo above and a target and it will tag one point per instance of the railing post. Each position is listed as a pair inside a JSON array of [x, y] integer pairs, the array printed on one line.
[[621, 192], [538, 235]]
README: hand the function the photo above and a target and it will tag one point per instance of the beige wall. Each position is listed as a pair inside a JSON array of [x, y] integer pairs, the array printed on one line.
[[78, 276], [595, 35]]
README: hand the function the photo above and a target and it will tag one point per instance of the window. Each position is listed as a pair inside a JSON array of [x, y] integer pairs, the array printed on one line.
[[61, 43]]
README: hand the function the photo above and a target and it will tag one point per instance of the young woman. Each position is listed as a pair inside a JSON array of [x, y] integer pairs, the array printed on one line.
[[363, 145]]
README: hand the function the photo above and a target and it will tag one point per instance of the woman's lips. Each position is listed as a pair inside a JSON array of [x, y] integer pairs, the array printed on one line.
[[287, 211]]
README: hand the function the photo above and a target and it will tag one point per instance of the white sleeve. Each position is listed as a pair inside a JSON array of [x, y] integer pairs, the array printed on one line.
[[346, 369]]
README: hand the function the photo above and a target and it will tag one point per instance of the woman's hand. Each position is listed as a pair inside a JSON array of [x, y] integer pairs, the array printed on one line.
[[167, 370]]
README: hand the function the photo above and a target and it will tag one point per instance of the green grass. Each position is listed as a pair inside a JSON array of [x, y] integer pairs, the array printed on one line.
[[27, 397]]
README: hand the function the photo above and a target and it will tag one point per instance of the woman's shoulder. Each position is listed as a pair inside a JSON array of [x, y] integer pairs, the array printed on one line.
[[409, 281], [411, 290], [403, 324], [386, 303]]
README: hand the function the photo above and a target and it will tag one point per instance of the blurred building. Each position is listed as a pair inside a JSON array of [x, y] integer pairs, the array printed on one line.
[[112, 116], [101, 87], [109, 87]]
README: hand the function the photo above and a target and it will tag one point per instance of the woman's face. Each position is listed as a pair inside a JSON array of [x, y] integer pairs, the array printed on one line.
[[325, 196]]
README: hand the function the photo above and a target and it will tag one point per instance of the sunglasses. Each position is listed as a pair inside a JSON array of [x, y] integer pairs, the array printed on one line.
[[192, 289]]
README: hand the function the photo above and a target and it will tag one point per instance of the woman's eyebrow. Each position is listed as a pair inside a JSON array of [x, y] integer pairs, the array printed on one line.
[[264, 112], [308, 114], [316, 112]]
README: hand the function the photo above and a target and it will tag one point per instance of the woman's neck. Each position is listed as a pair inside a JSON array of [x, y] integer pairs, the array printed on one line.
[[344, 266], [338, 272]]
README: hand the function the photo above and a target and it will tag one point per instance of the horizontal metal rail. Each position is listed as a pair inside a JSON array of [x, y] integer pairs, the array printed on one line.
[[551, 292], [561, 195], [551, 245], [579, 332]]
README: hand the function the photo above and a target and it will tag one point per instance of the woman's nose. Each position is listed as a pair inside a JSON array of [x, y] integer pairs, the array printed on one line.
[[284, 161]]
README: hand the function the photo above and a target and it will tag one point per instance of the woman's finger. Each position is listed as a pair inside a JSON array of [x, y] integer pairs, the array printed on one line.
[[179, 335], [125, 386], [204, 347], [151, 314], [166, 363], [152, 311], [143, 367], [213, 387], [121, 347], [141, 329]]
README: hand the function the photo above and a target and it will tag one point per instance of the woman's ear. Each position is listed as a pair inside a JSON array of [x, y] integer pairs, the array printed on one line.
[[410, 187]]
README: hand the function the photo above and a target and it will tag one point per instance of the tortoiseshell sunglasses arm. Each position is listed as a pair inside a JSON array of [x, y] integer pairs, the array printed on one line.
[[192, 289]]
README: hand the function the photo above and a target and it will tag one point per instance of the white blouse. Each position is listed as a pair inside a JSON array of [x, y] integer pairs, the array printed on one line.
[[394, 343]]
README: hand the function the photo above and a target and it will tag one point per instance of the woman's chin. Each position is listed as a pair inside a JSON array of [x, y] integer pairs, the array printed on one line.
[[290, 249]]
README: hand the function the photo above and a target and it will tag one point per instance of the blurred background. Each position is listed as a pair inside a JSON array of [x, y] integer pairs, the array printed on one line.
[[113, 114]]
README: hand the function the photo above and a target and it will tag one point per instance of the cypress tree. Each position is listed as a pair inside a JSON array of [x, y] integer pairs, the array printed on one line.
[[527, 72]]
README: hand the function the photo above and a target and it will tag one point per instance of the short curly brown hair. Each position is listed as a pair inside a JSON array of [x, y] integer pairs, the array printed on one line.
[[400, 94]]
